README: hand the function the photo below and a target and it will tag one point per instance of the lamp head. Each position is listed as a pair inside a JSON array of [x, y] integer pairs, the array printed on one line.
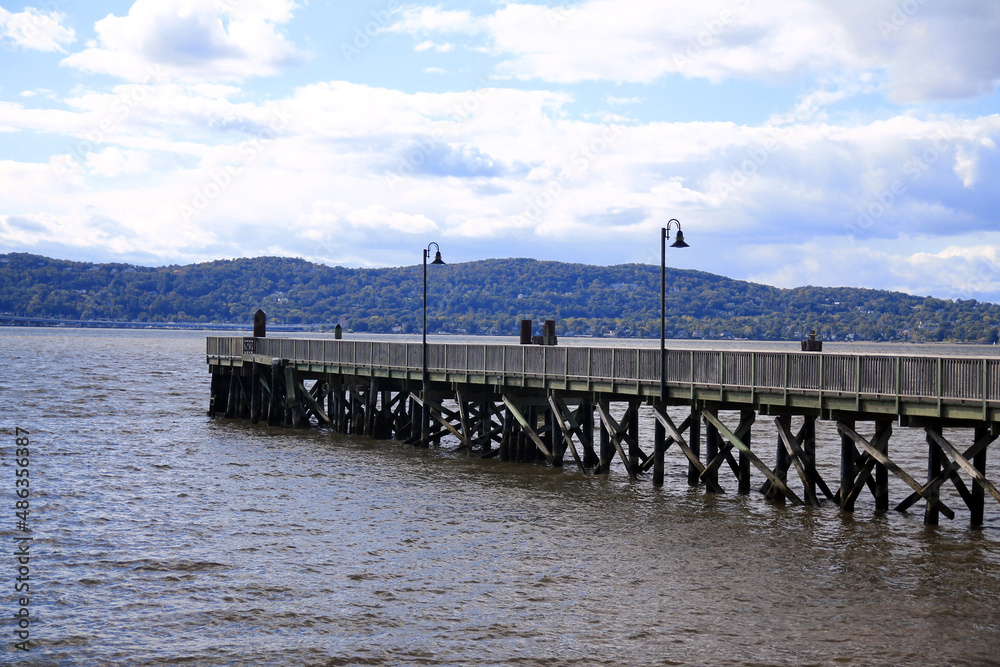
[[437, 258], [679, 243]]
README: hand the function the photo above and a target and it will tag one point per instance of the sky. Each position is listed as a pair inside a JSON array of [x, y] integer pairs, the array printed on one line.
[[795, 142]]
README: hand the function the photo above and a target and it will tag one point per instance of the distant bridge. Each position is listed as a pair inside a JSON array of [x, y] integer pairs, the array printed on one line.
[[538, 402]]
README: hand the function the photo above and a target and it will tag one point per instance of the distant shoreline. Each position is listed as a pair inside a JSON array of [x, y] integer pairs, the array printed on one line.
[[10, 321]]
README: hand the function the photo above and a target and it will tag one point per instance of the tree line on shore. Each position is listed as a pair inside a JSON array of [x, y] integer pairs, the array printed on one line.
[[482, 297]]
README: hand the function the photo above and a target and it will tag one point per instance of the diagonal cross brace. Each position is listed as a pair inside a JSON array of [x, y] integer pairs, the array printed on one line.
[[880, 457], [569, 427], [738, 444], [977, 476], [949, 472], [618, 434], [527, 429], [796, 455]]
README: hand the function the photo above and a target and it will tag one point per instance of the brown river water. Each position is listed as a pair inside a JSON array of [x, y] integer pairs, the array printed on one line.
[[161, 537]]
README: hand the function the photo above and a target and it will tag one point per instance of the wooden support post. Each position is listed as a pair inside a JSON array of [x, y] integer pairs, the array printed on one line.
[[711, 477], [877, 454], [590, 457], [274, 416], [798, 458], [331, 400], [964, 464], [632, 417], [874, 449], [256, 394], [294, 407], [529, 425], [735, 440], [485, 427], [508, 434], [675, 435], [215, 400], [781, 460], [314, 402], [848, 471], [414, 420], [383, 425], [371, 407], [232, 397], [568, 427], [425, 425], [931, 512], [659, 450], [977, 506], [617, 433], [809, 454], [555, 437], [607, 449], [747, 418], [882, 472], [694, 444]]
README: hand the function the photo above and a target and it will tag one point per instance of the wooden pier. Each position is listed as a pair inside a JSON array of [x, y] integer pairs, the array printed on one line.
[[528, 403]]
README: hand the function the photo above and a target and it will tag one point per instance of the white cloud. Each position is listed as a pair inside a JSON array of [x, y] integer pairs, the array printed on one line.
[[35, 29], [191, 40], [439, 48], [422, 20], [923, 50]]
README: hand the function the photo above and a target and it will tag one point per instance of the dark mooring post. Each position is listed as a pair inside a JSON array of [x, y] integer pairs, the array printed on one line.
[[259, 324], [848, 467], [694, 442], [934, 461]]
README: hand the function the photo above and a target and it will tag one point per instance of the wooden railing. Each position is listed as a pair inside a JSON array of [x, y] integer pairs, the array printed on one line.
[[956, 378]]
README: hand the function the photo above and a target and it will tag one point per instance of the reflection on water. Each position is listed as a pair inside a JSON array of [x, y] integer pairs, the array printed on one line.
[[165, 537]]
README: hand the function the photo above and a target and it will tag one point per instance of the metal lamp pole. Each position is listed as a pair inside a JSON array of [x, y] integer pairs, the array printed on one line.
[[679, 243], [424, 412]]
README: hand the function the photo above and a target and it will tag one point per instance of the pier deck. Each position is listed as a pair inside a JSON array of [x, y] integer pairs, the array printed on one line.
[[540, 401]]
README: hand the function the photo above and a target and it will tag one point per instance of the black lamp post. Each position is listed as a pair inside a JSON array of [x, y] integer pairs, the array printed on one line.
[[679, 243], [424, 412]]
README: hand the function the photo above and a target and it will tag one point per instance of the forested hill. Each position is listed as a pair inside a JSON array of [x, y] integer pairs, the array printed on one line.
[[483, 297]]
